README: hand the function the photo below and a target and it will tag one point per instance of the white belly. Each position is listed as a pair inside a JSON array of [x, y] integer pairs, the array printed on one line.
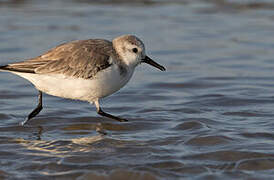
[[103, 84]]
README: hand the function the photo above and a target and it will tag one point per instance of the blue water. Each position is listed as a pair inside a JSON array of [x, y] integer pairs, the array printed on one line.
[[209, 116]]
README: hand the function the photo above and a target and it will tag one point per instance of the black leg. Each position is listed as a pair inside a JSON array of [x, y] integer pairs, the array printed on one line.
[[102, 113], [35, 111]]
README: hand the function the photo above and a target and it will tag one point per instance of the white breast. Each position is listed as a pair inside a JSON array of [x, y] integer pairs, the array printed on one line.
[[105, 82]]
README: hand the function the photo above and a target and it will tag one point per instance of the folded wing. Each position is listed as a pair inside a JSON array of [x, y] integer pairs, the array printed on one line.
[[80, 59]]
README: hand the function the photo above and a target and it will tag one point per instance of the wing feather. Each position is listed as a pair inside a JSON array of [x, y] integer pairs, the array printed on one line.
[[81, 59]]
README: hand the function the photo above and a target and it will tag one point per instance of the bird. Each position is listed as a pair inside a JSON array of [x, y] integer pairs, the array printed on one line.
[[86, 70]]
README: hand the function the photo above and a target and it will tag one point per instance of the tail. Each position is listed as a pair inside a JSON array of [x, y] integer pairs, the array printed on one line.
[[3, 68], [12, 69]]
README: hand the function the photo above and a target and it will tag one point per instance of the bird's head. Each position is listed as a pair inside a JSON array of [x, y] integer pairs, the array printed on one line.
[[132, 51]]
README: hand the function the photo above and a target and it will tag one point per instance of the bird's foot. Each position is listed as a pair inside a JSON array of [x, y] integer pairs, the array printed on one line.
[[24, 122]]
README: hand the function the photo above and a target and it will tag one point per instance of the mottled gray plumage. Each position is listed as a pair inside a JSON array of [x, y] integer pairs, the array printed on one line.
[[134, 40], [79, 59]]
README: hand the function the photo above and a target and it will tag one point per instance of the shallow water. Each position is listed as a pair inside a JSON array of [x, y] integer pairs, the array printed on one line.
[[209, 116]]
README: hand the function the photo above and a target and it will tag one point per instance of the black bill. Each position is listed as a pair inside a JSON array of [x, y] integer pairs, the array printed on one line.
[[153, 63]]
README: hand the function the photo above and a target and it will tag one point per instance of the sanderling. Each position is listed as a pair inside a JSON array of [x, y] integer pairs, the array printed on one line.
[[86, 70]]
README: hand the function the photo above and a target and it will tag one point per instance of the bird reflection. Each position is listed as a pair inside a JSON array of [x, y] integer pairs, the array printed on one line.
[[39, 133]]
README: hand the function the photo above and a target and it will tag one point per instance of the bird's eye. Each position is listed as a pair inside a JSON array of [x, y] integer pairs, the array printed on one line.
[[135, 50]]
